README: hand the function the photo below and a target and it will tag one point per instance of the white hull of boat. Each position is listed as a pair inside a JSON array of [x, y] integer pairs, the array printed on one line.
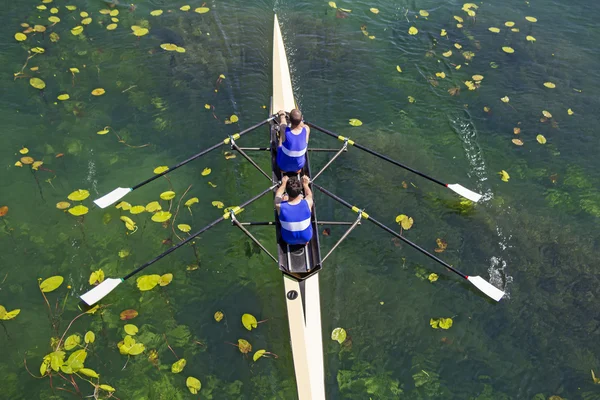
[[302, 297]]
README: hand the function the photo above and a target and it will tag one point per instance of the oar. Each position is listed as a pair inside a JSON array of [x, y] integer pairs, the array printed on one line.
[[120, 192], [477, 281], [108, 285], [455, 187]]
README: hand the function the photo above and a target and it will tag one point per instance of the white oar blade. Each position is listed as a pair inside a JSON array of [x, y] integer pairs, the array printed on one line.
[[112, 197], [486, 287], [96, 294], [464, 192]]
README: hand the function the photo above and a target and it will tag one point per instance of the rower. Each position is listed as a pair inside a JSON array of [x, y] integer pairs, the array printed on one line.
[[293, 142], [294, 210]]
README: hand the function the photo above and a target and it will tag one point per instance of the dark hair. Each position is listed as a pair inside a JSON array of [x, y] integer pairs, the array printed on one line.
[[293, 187], [295, 116]]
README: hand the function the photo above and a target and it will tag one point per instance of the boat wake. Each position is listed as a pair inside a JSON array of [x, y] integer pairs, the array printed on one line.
[[467, 132]]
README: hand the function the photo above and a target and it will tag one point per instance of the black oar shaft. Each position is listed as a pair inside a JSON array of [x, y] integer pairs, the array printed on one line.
[[203, 152], [193, 236], [376, 154], [389, 230]]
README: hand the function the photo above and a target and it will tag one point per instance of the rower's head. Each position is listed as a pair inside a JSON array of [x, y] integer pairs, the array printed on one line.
[[293, 188], [295, 116]]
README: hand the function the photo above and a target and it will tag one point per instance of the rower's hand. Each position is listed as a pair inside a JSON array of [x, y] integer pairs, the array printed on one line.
[[281, 114], [305, 180], [284, 179]]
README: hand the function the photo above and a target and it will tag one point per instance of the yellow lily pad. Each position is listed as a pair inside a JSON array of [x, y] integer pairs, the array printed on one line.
[[141, 32], [184, 228], [218, 204], [37, 83], [178, 366], [98, 92], [79, 195], [374, 10], [202, 10], [504, 176], [355, 122], [161, 169], [508, 50], [541, 139], [77, 30], [193, 384], [218, 316], [168, 195], [165, 279], [549, 85], [63, 205], [206, 171], [161, 216], [156, 13], [412, 30], [168, 46], [63, 97], [130, 329], [20, 37], [111, 27], [51, 284], [6, 315], [147, 282], [137, 209], [185, 8], [530, 38], [191, 201], [546, 114], [153, 206], [78, 210], [249, 321], [123, 206], [531, 19]]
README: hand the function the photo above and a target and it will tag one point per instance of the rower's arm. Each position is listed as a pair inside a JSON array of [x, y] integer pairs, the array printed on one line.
[[282, 125], [279, 194], [307, 132], [308, 195]]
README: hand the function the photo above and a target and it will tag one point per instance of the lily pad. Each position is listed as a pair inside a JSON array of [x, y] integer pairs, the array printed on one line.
[[51, 284], [79, 195], [178, 366], [339, 334], [249, 321], [193, 384], [161, 216]]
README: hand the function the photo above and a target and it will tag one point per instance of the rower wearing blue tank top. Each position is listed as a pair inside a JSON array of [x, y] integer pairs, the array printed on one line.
[[293, 142], [294, 210]]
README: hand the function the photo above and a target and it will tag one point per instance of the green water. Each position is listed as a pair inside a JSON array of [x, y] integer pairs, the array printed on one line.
[[535, 236]]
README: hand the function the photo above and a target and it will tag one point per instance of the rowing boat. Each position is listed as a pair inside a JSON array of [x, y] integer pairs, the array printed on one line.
[[300, 264]]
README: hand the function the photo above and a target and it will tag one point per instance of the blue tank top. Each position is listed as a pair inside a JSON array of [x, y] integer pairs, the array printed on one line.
[[295, 222], [291, 155]]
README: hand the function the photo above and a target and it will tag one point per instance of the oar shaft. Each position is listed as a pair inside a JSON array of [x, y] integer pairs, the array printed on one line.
[[216, 146], [193, 236], [389, 230], [376, 154]]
